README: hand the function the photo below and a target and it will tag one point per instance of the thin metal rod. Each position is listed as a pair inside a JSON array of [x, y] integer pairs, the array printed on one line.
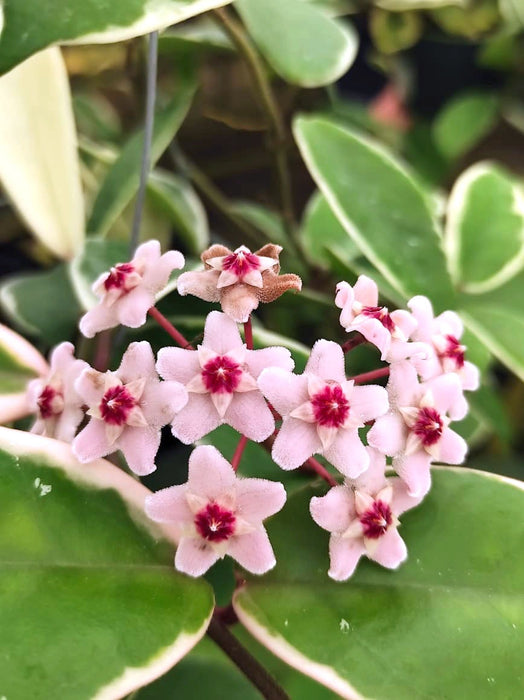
[[145, 165]]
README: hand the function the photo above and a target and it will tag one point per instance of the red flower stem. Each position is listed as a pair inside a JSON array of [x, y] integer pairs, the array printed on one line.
[[238, 452], [321, 471], [176, 335], [353, 342], [248, 334], [370, 376]]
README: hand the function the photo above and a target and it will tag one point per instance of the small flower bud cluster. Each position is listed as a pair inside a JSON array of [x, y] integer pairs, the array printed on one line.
[[225, 381]]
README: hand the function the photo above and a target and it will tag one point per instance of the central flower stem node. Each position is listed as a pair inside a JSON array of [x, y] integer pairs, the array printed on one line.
[[241, 262], [116, 405], [215, 523], [50, 402], [376, 520], [453, 351], [428, 426], [221, 375], [381, 313], [330, 406]]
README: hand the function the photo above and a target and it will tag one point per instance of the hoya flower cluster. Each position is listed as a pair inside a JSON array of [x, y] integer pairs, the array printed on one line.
[[224, 380]]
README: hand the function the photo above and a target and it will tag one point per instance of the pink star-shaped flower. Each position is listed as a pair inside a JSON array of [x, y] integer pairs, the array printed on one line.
[[239, 279], [127, 408], [54, 399], [127, 291], [362, 516], [415, 432], [220, 378], [442, 333], [322, 411], [389, 332], [217, 513]]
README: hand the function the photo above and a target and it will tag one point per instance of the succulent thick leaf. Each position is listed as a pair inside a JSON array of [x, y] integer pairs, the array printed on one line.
[[90, 605], [464, 121], [122, 180], [301, 42], [31, 25], [39, 168], [447, 624], [380, 205], [321, 231], [484, 237], [42, 304]]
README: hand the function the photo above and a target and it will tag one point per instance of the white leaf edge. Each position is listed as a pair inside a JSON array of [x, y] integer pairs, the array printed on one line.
[[322, 673], [39, 165], [452, 238], [104, 475], [337, 69], [8, 301], [22, 350], [404, 5], [352, 230]]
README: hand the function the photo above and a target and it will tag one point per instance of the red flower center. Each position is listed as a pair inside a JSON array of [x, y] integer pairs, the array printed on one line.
[[116, 405], [428, 426], [215, 523], [50, 402], [330, 406], [241, 263], [454, 351], [221, 375], [376, 520], [382, 314], [118, 277]]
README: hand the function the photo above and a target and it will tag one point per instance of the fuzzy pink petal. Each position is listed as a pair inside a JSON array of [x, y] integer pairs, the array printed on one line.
[[178, 364], [344, 300], [295, 442], [403, 384], [452, 447], [198, 418], [91, 442], [391, 550], [249, 414], [369, 402], [156, 276], [133, 307], [414, 470], [161, 401], [404, 321], [374, 332], [238, 301], [449, 323], [202, 284], [388, 434], [253, 551], [470, 376], [373, 479], [61, 357], [366, 291], [284, 390], [447, 392], [148, 253], [335, 510], [90, 386], [257, 360], [221, 333], [140, 446], [327, 361], [194, 556], [67, 423], [344, 555], [210, 475], [257, 499], [98, 319], [423, 312], [169, 505], [138, 361], [347, 453], [402, 501]]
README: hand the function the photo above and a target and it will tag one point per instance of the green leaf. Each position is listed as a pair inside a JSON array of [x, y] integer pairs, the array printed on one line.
[[394, 31], [31, 25], [392, 634], [301, 42], [90, 604], [39, 168], [380, 205], [121, 182], [264, 219], [199, 35], [464, 121], [484, 237], [513, 13], [177, 199], [42, 304], [19, 361], [322, 231]]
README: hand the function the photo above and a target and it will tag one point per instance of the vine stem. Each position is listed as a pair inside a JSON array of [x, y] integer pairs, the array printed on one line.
[[315, 466], [370, 376], [353, 343], [145, 165], [244, 661], [167, 326], [238, 452], [237, 35], [248, 334]]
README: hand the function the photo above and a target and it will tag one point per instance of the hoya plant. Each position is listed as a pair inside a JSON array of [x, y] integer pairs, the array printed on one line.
[[261, 351]]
